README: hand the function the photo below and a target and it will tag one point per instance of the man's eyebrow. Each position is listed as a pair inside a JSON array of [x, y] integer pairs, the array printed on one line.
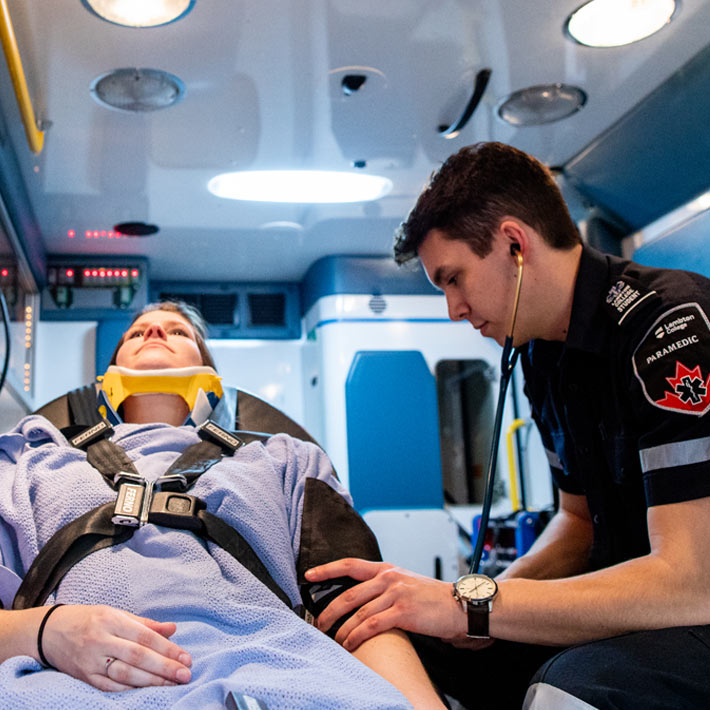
[[438, 276]]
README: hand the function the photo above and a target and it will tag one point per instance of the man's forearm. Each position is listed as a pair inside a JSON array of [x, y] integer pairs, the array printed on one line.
[[562, 550]]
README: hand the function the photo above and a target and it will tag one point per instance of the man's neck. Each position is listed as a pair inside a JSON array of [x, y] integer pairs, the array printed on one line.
[[555, 292], [146, 408]]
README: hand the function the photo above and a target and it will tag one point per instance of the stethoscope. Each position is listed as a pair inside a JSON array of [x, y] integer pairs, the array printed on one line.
[[507, 364]]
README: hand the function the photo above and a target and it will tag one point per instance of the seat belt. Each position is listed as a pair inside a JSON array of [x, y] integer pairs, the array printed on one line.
[[161, 502]]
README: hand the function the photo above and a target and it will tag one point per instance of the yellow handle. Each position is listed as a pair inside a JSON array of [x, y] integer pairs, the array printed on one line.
[[512, 469], [35, 137]]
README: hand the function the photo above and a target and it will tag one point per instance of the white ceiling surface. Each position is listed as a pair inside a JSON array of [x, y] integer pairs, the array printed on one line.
[[263, 91]]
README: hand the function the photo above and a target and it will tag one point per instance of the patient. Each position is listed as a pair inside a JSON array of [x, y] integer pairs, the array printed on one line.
[[165, 618]]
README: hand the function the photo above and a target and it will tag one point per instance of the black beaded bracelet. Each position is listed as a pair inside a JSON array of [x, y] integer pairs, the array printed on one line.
[[42, 658]]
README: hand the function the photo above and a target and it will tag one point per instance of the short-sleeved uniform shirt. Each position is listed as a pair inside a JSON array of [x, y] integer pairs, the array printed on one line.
[[622, 404]]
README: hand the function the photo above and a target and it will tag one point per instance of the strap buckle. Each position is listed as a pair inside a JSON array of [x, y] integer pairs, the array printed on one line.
[[161, 502], [133, 496], [87, 437], [209, 431], [175, 510]]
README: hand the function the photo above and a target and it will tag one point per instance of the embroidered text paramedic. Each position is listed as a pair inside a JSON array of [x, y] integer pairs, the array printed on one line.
[[672, 347]]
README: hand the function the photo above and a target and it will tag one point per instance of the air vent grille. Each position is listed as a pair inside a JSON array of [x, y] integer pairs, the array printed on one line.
[[267, 309], [217, 308], [239, 310]]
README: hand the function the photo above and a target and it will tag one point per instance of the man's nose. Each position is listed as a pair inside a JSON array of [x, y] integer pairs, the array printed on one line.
[[155, 330], [457, 308]]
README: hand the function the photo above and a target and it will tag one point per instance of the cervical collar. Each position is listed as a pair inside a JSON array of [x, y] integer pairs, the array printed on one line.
[[119, 383]]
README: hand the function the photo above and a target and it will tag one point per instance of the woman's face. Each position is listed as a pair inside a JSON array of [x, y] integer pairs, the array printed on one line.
[[158, 340]]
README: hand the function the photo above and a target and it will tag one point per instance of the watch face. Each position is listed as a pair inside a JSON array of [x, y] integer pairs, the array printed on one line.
[[476, 587]]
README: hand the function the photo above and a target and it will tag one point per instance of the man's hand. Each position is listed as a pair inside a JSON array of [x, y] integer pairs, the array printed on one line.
[[80, 640], [388, 597]]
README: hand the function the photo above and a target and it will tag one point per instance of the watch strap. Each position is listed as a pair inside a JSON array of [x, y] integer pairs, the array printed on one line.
[[478, 620]]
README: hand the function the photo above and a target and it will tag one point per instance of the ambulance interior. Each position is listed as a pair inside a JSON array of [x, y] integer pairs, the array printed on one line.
[[121, 145]]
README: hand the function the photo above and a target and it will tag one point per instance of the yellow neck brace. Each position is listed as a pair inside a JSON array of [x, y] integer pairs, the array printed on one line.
[[119, 383]]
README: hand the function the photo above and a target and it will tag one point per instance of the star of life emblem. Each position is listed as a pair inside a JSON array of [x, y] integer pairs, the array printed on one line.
[[672, 362]]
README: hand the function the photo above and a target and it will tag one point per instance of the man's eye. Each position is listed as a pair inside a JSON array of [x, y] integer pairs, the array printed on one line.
[[179, 331], [452, 281], [134, 334]]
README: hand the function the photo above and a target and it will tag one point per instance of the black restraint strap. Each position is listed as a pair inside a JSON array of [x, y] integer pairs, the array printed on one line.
[[110, 459], [95, 530], [230, 540], [70, 544]]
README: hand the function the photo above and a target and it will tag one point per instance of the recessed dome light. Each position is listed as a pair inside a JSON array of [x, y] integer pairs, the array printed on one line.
[[137, 90], [304, 186], [541, 104], [139, 13], [613, 23]]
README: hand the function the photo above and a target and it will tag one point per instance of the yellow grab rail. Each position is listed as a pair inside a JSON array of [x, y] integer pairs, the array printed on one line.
[[35, 137], [512, 470]]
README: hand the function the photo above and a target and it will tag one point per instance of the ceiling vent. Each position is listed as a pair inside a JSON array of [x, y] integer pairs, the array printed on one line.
[[240, 310], [137, 90]]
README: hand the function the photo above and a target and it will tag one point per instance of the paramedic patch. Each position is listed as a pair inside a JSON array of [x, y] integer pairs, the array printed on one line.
[[672, 362]]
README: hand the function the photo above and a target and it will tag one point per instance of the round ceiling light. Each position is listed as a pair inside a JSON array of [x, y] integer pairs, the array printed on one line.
[[139, 13], [300, 186], [137, 90], [613, 23], [542, 104]]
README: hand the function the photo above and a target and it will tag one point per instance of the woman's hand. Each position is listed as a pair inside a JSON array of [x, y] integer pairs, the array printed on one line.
[[81, 640], [388, 597]]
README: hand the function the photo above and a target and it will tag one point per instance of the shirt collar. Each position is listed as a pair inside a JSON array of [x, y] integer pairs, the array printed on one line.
[[586, 328]]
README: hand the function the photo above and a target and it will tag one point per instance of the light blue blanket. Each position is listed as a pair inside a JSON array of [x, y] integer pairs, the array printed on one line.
[[240, 635]]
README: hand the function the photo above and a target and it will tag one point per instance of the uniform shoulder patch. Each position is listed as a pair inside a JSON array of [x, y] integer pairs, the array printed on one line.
[[672, 361], [624, 296]]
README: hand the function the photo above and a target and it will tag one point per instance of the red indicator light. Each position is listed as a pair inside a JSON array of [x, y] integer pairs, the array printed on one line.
[[109, 273], [87, 272], [124, 272], [94, 273], [134, 273], [4, 272], [88, 233], [70, 273], [71, 234], [110, 235], [96, 235]]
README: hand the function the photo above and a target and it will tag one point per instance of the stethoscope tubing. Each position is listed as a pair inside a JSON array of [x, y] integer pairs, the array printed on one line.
[[507, 365]]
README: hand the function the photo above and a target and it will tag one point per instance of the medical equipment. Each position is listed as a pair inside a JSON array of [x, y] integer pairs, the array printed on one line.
[[508, 359]]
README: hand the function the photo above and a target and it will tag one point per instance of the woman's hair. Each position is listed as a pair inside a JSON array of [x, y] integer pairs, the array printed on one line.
[[190, 314], [475, 189]]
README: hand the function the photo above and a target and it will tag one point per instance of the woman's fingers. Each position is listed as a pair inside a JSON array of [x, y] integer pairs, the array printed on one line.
[[78, 640]]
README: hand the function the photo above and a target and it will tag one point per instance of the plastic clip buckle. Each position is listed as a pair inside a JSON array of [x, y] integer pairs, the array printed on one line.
[[175, 510], [133, 493]]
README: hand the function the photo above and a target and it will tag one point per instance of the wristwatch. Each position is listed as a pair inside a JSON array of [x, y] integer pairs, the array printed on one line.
[[476, 593]]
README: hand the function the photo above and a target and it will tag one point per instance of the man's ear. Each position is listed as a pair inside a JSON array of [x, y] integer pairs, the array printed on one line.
[[515, 236]]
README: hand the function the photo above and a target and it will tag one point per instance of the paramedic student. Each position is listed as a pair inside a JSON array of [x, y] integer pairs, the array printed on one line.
[[616, 359], [105, 645]]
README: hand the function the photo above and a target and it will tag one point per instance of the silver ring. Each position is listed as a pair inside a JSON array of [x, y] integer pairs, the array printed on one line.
[[107, 663]]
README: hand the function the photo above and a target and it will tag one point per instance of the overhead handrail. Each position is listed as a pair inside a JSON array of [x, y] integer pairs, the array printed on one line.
[[35, 137], [479, 86]]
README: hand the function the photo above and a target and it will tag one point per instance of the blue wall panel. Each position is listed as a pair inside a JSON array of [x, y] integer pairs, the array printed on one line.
[[393, 432]]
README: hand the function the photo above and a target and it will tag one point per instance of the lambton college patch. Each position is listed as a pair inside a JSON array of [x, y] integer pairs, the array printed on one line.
[[672, 362]]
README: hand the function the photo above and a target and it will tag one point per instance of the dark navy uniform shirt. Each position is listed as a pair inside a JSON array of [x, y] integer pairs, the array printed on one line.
[[622, 404]]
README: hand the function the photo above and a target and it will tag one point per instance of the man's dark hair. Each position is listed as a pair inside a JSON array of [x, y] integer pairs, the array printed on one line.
[[190, 314], [475, 189]]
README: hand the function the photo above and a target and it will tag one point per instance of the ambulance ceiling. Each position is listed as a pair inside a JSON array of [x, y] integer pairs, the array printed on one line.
[[263, 89]]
